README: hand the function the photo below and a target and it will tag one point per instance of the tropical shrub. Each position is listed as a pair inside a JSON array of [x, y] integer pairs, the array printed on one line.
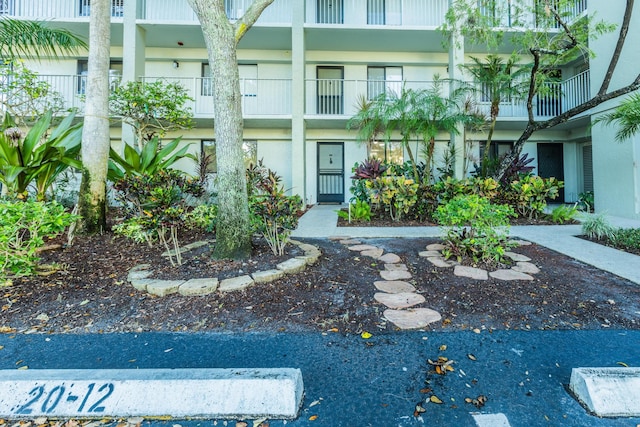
[[598, 227], [39, 156], [427, 202], [530, 194], [24, 226], [586, 201], [627, 239], [450, 187], [274, 214], [475, 228], [396, 194], [148, 161], [563, 214], [154, 206], [358, 211]]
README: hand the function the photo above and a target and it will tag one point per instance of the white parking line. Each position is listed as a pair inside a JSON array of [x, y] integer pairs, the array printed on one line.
[[490, 420]]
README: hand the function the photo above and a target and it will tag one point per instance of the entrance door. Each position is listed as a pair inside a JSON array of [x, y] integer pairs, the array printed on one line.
[[330, 172], [551, 164], [330, 81]]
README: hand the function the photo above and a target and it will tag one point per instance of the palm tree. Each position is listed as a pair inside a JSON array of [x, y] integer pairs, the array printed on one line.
[[627, 115], [496, 81], [22, 38]]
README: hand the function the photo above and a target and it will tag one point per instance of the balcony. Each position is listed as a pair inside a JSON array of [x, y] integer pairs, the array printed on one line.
[[337, 98], [49, 9], [357, 13], [279, 12]]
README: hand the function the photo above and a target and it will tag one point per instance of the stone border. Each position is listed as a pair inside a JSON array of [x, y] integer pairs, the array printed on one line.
[[140, 276]]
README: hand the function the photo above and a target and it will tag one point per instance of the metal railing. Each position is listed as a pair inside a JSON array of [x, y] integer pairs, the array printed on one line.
[[279, 12], [48, 9]]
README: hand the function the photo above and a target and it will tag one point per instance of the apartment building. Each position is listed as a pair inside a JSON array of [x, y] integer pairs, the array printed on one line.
[[305, 64]]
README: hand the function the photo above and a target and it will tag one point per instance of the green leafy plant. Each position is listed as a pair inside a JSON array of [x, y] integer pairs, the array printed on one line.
[[450, 187], [598, 227], [586, 201], [396, 194], [475, 228], [154, 205], [24, 226], [39, 156], [148, 161], [274, 214], [202, 217], [358, 211], [531, 192], [627, 239], [152, 108], [563, 214]]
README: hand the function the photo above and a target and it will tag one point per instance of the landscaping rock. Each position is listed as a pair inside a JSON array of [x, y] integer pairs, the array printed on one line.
[[395, 267], [162, 288], [140, 284], [186, 248], [412, 319], [435, 247], [389, 258], [509, 275], [520, 242], [431, 253], [350, 242], [267, 276], [395, 275], [401, 300], [307, 247], [516, 257], [394, 286], [526, 267], [360, 248], [334, 238], [472, 272], [138, 274], [373, 253], [195, 287], [439, 261], [309, 259], [292, 265], [236, 283]]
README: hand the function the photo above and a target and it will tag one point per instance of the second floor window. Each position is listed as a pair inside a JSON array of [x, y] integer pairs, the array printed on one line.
[[117, 8], [386, 80], [329, 12]]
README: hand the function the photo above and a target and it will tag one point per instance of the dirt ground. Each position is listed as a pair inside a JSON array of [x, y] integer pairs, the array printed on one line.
[[90, 293]]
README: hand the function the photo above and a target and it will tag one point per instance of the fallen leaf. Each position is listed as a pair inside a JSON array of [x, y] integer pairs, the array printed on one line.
[[314, 403], [6, 330], [435, 399], [425, 390], [443, 347], [333, 330], [471, 357], [1, 347], [619, 363], [476, 330], [366, 335], [241, 424], [419, 410], [84, 302], [23, 368], [313, 417]]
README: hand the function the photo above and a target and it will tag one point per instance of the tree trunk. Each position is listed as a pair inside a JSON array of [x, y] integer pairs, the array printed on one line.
[[95, 134]]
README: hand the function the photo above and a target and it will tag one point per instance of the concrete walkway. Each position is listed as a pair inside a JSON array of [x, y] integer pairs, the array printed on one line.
[[321, 222]]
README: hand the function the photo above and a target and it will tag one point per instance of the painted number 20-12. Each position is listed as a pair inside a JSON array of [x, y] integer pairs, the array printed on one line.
[[43, 401]]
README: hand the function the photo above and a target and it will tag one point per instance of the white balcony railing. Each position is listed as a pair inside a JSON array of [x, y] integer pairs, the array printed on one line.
[[337, 97], [409, 13], [49, 9], [279, 12]]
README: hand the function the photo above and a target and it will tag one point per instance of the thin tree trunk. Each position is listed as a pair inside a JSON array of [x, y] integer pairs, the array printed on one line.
[[95, 134]]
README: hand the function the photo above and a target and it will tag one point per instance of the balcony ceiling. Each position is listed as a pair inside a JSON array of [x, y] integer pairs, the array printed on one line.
[[167, 35], [81, 28], [373, 39]]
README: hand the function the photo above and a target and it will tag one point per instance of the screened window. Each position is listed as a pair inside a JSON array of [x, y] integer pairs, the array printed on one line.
[[208, 147], [388, 152], [386, 80]]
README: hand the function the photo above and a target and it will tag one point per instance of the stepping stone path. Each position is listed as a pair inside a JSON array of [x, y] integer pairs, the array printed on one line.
[[397, 295], [140, 276]]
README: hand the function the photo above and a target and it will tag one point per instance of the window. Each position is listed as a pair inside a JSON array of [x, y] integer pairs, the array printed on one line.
[[329, 12], [388, 152], [117, 8], [206, 88], [234, 9], [384, 12], [250, 148], [384, 80], [497, 149], [6, 7], [115, 75]]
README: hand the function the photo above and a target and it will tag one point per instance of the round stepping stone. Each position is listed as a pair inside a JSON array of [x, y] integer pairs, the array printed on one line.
[[412, 319], [389, 258], [360, 248], [472, 272], [373, 253], [516, 257], [350, 242], [394, 286], [402, 300], [333, 238], [435, 247], [509, 275], [441, 262], [427, 254], [526, 267], [395, 267], [395, 275]]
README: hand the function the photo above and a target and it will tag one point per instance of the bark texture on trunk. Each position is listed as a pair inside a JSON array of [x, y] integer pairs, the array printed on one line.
[[95, 135], [233, 228]]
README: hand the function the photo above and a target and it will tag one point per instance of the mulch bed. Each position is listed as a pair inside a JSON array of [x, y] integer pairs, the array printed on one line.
[[90, 293]]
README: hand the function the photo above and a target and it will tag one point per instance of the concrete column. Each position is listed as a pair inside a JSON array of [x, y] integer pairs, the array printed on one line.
[[133, 54], [298, 127], [456, 58]]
